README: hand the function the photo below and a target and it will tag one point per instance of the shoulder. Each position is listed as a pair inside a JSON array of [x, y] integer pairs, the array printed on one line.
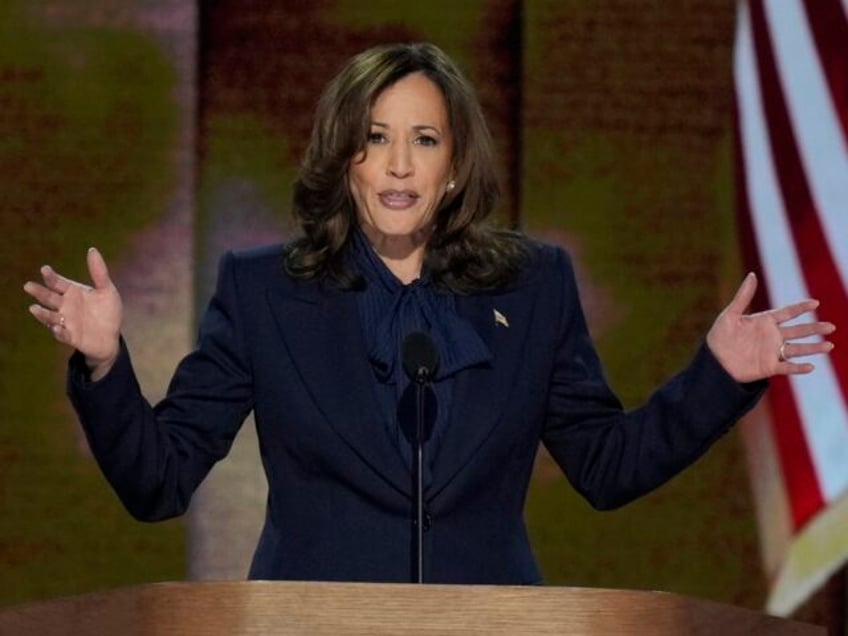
[[545, 280], [262, 269], [261, 257], [265, 262], [544, 264], [252, 269]]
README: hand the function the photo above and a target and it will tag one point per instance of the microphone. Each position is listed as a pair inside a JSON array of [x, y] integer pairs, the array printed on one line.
[[420, 357], [420, 361]]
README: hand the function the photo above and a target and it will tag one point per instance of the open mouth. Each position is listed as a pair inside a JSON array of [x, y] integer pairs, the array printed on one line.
[[398, 199]]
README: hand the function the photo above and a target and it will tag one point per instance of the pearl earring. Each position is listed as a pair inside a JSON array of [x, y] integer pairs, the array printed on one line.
[[451, 185]]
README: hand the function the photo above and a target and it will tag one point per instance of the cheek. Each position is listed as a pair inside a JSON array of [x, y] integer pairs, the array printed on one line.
[[356, 186], [440, 170], [360, 178]]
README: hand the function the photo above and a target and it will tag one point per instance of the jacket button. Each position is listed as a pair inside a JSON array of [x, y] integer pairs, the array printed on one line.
[[428, 522]]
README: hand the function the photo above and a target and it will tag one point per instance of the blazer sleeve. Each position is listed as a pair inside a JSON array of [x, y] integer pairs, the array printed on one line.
[[611, 456], [155, 457]]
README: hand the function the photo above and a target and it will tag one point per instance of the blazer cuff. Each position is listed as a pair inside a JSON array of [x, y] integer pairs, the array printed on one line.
[[716, 391], [101, 405]]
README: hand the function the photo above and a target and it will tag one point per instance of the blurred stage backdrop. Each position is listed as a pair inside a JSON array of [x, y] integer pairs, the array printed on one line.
[[166, 131]]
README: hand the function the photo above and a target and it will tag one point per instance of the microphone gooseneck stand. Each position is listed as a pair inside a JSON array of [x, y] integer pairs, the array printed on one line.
[[420, 359], [422, 377]]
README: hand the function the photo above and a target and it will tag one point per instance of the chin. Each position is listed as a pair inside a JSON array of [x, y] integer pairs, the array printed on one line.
[[399, 231]]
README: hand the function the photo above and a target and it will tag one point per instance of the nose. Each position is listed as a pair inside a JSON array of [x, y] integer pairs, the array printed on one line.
[[400, 163]]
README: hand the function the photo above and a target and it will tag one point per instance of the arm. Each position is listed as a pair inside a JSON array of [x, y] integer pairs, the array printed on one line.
[[611, 456], [155, 457]]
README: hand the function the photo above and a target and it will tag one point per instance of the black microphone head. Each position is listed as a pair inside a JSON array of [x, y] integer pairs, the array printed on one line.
[[420, 357]]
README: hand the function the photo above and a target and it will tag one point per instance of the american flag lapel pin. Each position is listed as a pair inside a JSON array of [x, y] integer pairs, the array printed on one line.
[[500, 319]]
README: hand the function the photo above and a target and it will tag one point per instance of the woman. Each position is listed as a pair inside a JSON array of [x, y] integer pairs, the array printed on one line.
[[392, 199]]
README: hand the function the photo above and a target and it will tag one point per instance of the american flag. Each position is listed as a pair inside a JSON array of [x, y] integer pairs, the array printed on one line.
[[791, 85]]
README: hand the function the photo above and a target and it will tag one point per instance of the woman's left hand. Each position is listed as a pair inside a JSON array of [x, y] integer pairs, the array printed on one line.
[[756, 346]]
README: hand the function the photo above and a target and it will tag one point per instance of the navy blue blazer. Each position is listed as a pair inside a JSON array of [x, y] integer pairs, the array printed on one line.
[[340, 495]]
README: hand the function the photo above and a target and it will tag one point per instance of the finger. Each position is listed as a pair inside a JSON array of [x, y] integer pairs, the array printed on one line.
[[52, 320], [800, 349], [793, 332], [744, 295], [782, 314], [41, 315], [46, 297], [97, 269], [54, 280], [795, 368]]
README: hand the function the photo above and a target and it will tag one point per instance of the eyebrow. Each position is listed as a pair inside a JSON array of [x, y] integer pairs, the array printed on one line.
[[418, 128]]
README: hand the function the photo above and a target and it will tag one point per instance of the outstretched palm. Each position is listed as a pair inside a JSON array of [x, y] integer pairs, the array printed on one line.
[[756, 346], [84, 317]]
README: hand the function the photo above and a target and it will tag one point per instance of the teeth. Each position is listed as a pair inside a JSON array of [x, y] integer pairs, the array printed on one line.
[[399, 195]]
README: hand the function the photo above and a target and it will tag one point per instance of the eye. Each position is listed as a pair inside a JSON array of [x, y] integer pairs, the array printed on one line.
[[376, 138], [426, 140]]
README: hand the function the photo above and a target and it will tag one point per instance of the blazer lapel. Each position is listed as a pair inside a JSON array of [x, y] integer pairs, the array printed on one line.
[[481, 394], [321, 329]]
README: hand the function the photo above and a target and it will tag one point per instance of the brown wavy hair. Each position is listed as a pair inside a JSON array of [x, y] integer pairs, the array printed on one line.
[[464, 253]]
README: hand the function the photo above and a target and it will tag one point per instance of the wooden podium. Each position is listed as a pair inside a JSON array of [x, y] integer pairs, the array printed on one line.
[[258, 607]]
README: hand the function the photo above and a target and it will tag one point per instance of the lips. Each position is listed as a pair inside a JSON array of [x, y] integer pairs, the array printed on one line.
[[398, 199]]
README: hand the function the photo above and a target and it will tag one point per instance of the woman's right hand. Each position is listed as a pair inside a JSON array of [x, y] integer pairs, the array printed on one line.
[[86, 318]]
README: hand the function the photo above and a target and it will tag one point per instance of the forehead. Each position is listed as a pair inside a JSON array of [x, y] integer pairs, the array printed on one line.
[[414, 97]]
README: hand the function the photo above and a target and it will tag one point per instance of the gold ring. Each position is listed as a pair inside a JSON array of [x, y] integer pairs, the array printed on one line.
[[781, 352]]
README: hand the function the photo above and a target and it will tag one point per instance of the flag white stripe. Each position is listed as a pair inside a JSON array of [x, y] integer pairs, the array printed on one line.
[[815, 122], [818, 397]]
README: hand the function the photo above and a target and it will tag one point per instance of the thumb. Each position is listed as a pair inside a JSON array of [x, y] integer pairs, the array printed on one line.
[[744, 295], [97, 269]]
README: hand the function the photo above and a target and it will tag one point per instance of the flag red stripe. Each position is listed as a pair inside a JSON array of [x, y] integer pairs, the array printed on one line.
[[829, 26], [801, 481], [805, 496], [820, 271]]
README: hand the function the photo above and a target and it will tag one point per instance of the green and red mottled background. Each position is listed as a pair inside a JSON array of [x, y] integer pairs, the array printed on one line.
[[165, 132]]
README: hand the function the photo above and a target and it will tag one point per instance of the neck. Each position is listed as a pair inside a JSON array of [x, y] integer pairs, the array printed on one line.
[[405, 270], [403, 255]]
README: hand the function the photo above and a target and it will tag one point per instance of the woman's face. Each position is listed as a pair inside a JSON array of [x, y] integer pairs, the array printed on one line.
[[402, 175]]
